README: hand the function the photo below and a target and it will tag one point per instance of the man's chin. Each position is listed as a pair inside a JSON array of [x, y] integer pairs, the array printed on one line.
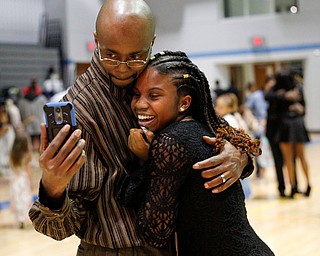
[[122, 83]]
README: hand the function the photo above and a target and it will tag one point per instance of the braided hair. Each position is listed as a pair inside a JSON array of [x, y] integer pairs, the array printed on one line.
[[190, 80]]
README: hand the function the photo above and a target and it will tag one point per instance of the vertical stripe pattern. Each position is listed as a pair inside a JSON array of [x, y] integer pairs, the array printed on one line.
[[91, 209]]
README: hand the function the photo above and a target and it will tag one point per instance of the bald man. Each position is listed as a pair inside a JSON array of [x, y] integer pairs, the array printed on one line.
[[79, 185]]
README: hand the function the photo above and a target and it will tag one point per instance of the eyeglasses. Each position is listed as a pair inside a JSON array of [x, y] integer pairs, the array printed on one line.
[[130, 63]]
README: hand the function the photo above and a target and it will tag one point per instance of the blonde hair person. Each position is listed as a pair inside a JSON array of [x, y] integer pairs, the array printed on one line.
[[20, 183], [227, 106]]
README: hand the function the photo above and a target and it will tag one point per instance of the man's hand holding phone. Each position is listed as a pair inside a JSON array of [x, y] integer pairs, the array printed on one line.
[[60, 158]]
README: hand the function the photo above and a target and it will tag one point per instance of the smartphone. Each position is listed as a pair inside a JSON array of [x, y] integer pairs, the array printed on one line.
[[58, 114]]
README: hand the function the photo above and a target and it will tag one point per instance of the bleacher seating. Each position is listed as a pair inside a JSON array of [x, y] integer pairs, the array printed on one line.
[[19, 63]]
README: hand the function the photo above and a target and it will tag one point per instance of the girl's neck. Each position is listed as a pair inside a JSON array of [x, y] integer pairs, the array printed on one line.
[[187, 118]]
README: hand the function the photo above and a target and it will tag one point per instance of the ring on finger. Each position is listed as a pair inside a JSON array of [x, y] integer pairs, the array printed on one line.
[[223, 178]]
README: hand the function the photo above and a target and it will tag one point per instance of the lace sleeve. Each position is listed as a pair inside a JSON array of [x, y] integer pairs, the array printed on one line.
[[168, 165]]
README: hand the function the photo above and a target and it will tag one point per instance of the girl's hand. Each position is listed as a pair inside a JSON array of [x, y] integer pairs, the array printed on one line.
[[139, 143]]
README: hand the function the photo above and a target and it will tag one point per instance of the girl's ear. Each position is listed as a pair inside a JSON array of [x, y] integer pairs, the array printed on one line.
[[185, 103]]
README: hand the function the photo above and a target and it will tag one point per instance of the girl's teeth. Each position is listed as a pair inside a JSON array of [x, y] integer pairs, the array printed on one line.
[[144, 117]]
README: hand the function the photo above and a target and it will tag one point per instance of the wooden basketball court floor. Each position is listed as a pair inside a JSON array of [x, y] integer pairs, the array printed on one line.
[[288, 226]]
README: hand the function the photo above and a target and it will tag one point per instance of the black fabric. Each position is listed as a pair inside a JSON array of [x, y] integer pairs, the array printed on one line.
[[292, 130], [291, 127], [133, 188], [45, 200], [206, 223]]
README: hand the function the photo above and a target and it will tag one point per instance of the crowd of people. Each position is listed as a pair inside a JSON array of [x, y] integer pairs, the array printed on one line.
[[21, 113], [274, 114]]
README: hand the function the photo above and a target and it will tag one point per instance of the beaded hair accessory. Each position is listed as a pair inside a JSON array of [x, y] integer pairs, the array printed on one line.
[[156, 55]]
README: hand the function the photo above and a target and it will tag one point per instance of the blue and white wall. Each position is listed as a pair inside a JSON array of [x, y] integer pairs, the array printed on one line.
[[198, 28]]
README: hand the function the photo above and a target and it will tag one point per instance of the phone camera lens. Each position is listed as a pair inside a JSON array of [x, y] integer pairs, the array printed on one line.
[[58, 110]]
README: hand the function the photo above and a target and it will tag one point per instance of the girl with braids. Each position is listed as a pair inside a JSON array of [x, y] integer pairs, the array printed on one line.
[[171, 100]]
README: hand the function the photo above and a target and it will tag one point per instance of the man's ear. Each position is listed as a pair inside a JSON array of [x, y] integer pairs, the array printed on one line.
[[95, 39], [154, 38], [185, 103]]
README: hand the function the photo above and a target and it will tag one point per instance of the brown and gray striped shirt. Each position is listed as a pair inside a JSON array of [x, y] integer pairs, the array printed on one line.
[[90, 209]]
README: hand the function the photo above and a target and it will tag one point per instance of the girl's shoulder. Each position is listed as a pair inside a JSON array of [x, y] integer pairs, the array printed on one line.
[[186, 129], [185, 135]]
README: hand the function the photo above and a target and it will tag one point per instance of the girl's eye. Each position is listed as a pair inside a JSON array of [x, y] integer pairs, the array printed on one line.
[[154, 96]]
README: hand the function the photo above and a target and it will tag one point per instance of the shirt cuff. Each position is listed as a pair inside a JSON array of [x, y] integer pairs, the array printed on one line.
[[49, 203], [248, 170]]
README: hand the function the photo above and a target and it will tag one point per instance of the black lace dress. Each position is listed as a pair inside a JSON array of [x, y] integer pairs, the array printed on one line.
[[170, 196]]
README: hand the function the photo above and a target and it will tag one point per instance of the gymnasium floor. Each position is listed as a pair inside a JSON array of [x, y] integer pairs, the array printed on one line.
[[289, 227]]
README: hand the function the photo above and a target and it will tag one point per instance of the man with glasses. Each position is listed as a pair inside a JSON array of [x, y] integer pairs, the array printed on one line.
[[81, 199]]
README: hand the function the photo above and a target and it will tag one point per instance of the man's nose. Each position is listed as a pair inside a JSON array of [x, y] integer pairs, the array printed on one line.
[[123, 66]]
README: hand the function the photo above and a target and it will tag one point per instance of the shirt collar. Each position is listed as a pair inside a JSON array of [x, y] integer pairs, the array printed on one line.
[[104, 77]]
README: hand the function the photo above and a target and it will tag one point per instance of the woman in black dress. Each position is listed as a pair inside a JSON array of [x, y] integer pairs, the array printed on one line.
[[172, 100], [292, 133]]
